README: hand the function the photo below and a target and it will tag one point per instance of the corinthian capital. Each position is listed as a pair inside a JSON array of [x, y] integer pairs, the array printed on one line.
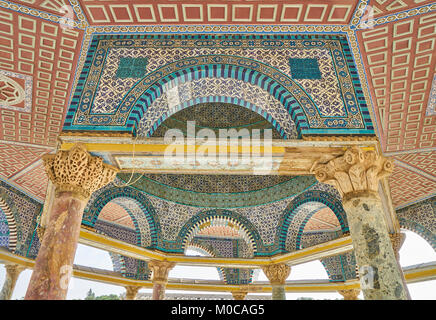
[[77, 171], [355, 171], [160, 270], [277, 273]]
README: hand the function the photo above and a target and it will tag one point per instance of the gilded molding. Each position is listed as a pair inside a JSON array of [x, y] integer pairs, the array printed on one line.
[[77, 171], [239, 295], [355, 172], [277, 273]]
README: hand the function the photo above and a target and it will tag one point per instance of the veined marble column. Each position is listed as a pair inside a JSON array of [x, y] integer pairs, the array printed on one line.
[[350, 294], [76, 175], [356, 176], [12, 273], [160, 271], [239, 295], [277, 275], [131, 292]]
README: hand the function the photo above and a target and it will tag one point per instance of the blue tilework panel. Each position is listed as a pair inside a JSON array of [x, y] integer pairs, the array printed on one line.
[[312, 78], [304, 68], [131, 67]]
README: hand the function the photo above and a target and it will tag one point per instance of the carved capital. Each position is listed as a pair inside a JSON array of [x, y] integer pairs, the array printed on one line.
[[77, 171], [131, 292], [356, 171], [239, 295], [14, 270], [160, 270], [397, 240], [277, 273], [350, 294]]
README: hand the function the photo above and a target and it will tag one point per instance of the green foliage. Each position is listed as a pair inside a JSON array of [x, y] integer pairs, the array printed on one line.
[[91, 296]]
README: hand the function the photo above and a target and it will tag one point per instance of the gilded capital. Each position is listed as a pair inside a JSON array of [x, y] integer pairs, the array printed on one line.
[[277, 273], [160, 270], [131, 292], [355, 171], [14, 270], [77, 171], [239, 295], [350, 294]]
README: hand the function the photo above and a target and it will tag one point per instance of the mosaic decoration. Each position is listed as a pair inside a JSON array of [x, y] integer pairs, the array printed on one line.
[[205, 191], [189, 58], [21, 213], [421, 219], [304, 68], [13, 95], [431, 105], [131, 68], [4, 230], [213, 90], [216, 116], [135, 203]]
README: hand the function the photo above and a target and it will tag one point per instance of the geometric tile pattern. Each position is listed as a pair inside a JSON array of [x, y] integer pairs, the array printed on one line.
[[116, 214], [408, 186], [48, 53], [57, 7], [324, 219], [425, 161], [335, 105], [384, 7], [105, 12], [400, 63], [14, 158], [34, 181]]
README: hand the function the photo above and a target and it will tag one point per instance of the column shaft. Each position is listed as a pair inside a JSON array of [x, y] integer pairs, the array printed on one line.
[[53, 265], [76, 175], [12, 273], [380, 272]]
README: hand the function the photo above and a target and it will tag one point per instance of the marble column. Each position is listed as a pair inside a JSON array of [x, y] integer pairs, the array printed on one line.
[[277, 275], [160, 271], [350, 294], [239, 295], [131, 292], [12, 273], [76, 175], [356, 176]]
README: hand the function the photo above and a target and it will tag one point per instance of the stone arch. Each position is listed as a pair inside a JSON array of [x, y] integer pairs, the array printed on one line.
[[6, 208], [420, 230], [277, 84], [193, 225], [322, 199], [139, 199]]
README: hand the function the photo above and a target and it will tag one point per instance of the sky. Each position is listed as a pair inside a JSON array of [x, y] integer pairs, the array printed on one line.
[[415, 250]]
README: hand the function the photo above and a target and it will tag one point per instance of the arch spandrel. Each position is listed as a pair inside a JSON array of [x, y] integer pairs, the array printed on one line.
[[247, 58]]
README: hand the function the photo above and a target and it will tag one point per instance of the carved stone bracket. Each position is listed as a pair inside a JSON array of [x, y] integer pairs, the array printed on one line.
[[355, 172], [160, 270], [77, 171], [277, 273]]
